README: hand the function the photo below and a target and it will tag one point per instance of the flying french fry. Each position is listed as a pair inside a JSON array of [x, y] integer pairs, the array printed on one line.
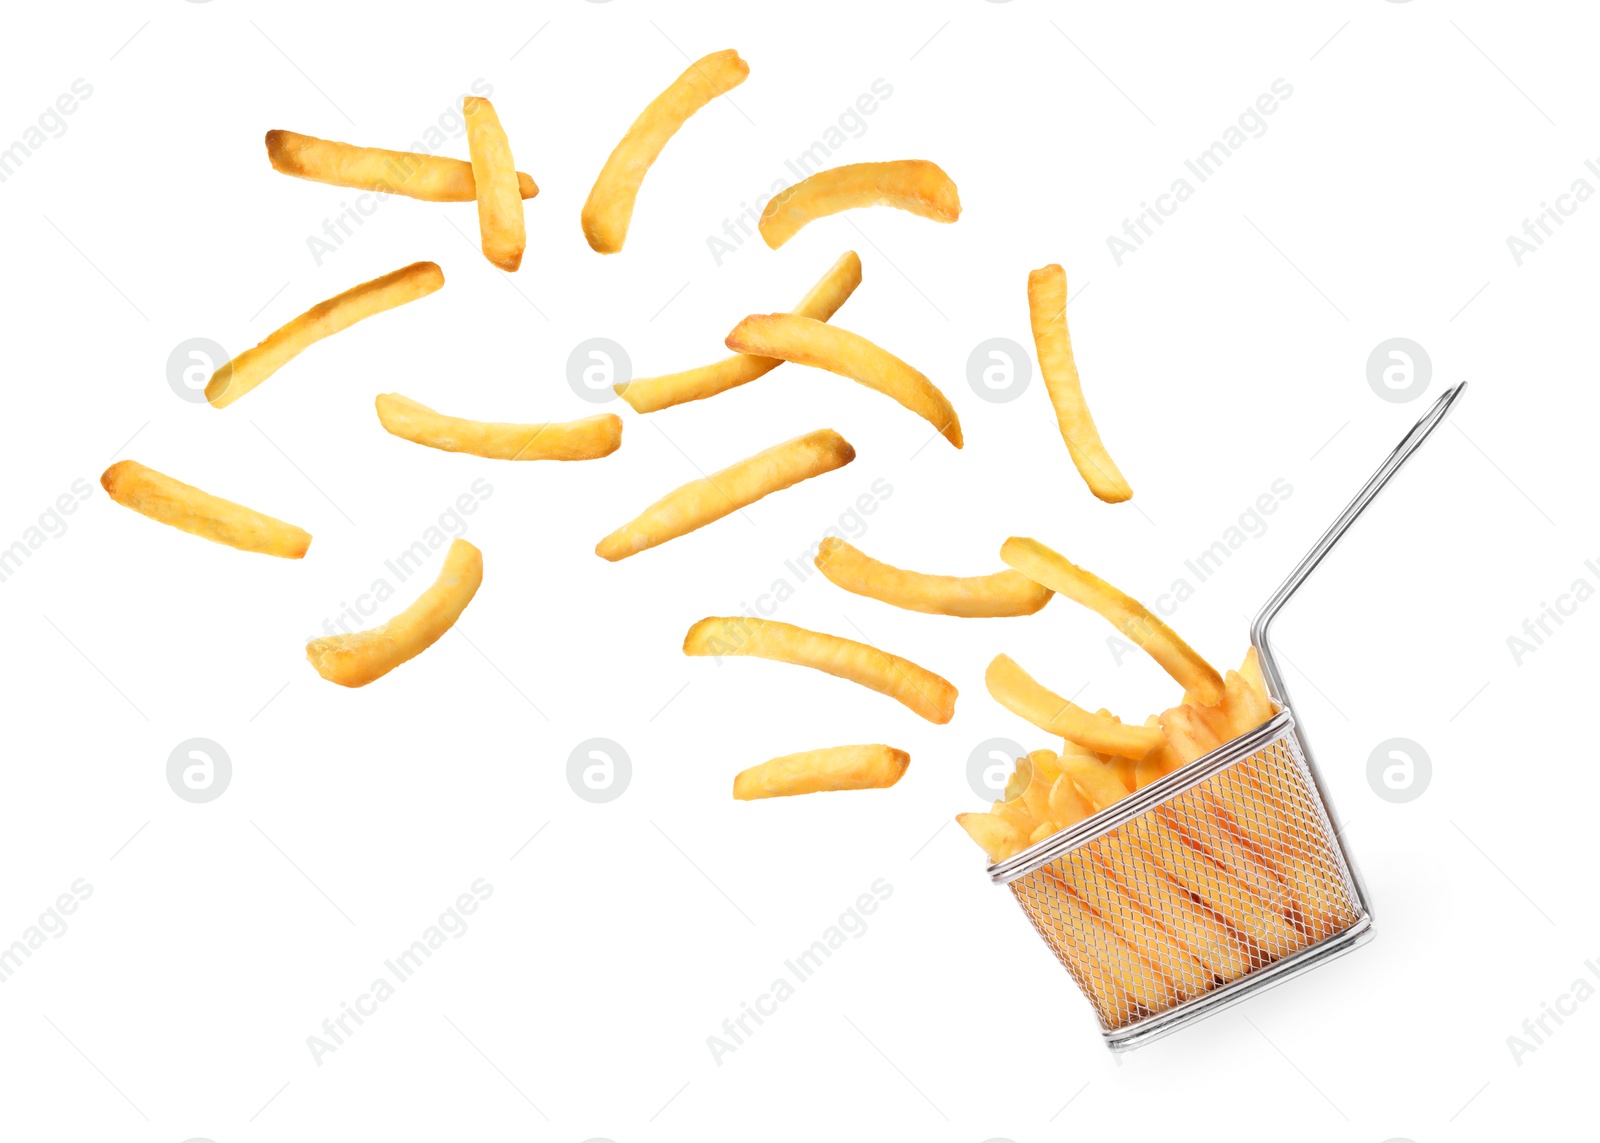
[[584, 439], [237, 377], [1122, 611], [1014, 689], [432, 178], [500, 223], [357, 659], [648, 394], [1047, 308], [609, 207], [915, 687], [172, 502], [823, 346], [915, 185], [699, 502], [813, 771], [981, 596]]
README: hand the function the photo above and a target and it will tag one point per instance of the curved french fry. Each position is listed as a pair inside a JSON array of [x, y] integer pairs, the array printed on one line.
[[584, 439], [648, 394], [1047, 308], [902, 680], [501, 227], [609, 207], [998, 838], [909, 184], [1122, 611], [1095, 780], [823, 346], [237, 377], [815, 771], [185, 507], [699, 502], [357, 659], [1016, 690], [432, 178], [979, 596]]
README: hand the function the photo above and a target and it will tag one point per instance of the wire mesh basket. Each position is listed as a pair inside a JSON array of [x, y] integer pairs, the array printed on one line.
[[1221, 879]]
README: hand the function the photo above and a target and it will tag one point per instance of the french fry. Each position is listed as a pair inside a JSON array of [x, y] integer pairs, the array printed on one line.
[[1047, 308], [1122, 611], [357, 659], [915, 185], [432, 178], [823, 346], [237, 377], [1121, 944], [583, 439], [997, 838], [981, 596], [1189, 733], [182, 506], [710, 498], [1016, 690], [1045, 770], [822, 301], [609, 207], [916, 687], [1068, 806], [1242, 708], [1096, 781], [835, 768], [1251, 670], [501, 227]]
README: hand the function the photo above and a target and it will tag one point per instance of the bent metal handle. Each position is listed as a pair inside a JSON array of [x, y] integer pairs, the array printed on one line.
[[1369, 492]]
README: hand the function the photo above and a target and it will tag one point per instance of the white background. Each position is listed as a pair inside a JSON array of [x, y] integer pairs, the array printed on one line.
[[1227, 353]]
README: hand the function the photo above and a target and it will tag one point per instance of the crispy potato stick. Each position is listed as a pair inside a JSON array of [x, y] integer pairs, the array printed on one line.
[[237, 377], [158, 496], [997, 837], [1202, 935], [910, 184], [584, 439], [648, 394], [811, 342], [1067, 805], [500, 224], [1047, 306], [1122, 611], [1242, 707], [811, 771], [1189, 733], [355, 660], [609, 207], [1014, 689], [432, 178], [1251, 670], [1145, 982], [902, 680], [979, 596], [712, 497], [1036, 798], [1155, 948], [1096, 781]]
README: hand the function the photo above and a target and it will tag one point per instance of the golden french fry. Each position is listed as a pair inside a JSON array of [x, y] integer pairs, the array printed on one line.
[[1122, 611], [583, 439], [997, 838], [710, 498], [822, 301], [1016, 690], [158, 496], [1096, 781], [237, 377], [1067, 805], [1015, 812], [812, 771], [1189, 733], [979, 596], [1047, 308], [902, 680], [432, 178], [823, 346], [1242, 708], [1251, 670], [609, 207], [1044, 770], [910, 184], [355, 660], [1122, 942], [501, 227]]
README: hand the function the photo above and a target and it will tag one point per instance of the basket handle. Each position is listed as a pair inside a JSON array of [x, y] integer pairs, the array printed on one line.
[[1369, 492]]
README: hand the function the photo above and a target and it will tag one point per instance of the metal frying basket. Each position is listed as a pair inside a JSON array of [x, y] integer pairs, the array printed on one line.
[[1221, 879]]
